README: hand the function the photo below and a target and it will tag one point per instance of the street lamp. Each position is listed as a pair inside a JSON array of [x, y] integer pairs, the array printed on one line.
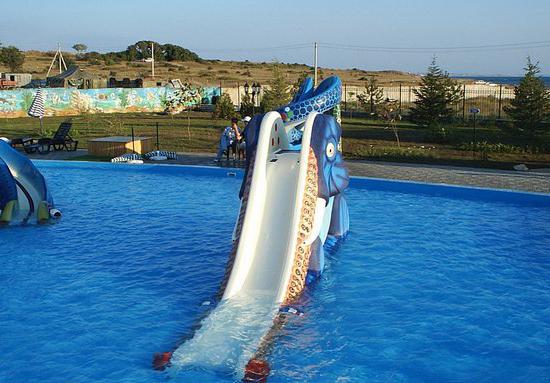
[[257, 88], [254, 94]]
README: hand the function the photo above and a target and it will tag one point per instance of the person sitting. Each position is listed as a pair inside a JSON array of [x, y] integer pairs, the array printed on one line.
[[228, 140]]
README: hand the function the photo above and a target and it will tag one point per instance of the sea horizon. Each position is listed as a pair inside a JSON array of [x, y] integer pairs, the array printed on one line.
[[504, 80]]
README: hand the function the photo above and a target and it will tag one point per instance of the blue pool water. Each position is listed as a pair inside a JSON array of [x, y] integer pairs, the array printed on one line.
[[426, 288]]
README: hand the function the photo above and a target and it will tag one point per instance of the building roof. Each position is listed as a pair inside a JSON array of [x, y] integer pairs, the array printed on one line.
[[74, 73]]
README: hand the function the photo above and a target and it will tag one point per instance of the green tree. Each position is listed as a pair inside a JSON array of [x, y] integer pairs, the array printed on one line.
[[277, 92], [176, 53], [372, 96], [247, 107], [224, 107], [299, 81], [80, 49], [531, 103], [167, 52], [435, 97], [12, 57]]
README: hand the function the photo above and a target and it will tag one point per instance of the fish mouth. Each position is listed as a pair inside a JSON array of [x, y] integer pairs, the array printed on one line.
[[339, 177]]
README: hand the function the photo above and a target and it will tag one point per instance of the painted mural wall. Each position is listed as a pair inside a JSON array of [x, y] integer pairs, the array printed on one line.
[[70, 102]]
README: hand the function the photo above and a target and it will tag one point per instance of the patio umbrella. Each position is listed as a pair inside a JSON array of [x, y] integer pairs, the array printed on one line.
[[37, 107]]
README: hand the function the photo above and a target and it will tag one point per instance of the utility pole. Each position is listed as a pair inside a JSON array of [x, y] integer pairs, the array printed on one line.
[[153, 59], [315, 64]]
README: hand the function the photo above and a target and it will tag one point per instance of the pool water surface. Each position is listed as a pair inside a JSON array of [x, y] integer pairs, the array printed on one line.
[[427, 287]]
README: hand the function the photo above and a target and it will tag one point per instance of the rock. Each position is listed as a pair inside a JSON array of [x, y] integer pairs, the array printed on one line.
[[521, 168]]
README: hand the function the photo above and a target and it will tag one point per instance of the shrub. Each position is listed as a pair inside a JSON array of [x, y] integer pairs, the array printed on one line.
[[372, 96], [12, 57], [484, 146], [277, 93], [224, 107], [247, 107], [393, 153]]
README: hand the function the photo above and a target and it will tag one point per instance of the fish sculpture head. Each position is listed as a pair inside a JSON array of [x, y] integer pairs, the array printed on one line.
[[333, 173]]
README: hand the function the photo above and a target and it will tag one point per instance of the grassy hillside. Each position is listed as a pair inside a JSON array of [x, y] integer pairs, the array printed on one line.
[[207, 72]]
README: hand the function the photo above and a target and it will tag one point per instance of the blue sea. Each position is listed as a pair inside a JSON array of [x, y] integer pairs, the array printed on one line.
[[429, 286], [505, 80]]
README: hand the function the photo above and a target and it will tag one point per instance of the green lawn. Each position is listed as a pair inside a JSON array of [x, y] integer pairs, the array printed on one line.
[[362, 138]]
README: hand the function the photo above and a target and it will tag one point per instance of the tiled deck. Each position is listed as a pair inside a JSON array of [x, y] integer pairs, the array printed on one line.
[[533, 181]]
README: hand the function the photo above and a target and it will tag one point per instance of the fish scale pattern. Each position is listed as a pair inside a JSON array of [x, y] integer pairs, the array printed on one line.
[[307, 214], [321, 103]]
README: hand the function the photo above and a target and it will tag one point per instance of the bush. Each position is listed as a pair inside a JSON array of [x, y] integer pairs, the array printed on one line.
[[277, 93], [486, 147], [224, 107], [247, 107], [372, 96], [393, 153], [12, 57], [439, 133]]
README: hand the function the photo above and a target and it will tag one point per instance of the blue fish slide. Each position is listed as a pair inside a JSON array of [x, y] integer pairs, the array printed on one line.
[[24, 195], [291, 201]]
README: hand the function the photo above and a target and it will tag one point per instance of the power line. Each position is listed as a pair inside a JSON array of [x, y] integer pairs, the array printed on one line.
[[350, 47], [256, 49], [472, 48]]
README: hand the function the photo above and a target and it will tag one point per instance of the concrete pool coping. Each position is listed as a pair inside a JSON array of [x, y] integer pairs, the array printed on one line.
[[357, 182], [537, 181]]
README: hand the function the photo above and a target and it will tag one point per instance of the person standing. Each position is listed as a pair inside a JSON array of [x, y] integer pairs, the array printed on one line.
[[241, 146], [228, 140]]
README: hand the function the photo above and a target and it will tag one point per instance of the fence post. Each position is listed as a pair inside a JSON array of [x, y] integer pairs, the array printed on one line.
[[221, 89], [410, 99], [345, 97], [158, 146], [400, 98], [133, 140], [464, 103], [499, 101], [239, 96]]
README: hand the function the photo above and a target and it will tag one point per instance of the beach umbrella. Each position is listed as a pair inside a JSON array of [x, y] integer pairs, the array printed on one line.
[[37, 107]]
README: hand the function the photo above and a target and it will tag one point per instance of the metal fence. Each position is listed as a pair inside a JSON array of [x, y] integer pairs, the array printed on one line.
[[490, 100]]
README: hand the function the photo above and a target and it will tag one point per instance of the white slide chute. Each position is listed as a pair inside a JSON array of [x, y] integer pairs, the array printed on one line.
[[287, 211]]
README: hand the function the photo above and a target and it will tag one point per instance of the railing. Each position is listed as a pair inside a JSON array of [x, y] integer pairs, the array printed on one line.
[[490, 100]]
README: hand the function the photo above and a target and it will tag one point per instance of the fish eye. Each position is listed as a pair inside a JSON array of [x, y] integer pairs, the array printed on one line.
[[331, 150]]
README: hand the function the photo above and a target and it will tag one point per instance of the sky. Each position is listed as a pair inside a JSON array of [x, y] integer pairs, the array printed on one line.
[[285, 30]]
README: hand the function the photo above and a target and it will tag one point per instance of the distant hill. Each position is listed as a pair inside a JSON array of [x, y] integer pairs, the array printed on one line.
[[173, 61]]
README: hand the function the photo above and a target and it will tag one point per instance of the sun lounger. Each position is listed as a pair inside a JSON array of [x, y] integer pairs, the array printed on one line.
[[60, 140]]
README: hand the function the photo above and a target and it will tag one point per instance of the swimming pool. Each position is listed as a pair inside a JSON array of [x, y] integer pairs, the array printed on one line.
[[432, 284]]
